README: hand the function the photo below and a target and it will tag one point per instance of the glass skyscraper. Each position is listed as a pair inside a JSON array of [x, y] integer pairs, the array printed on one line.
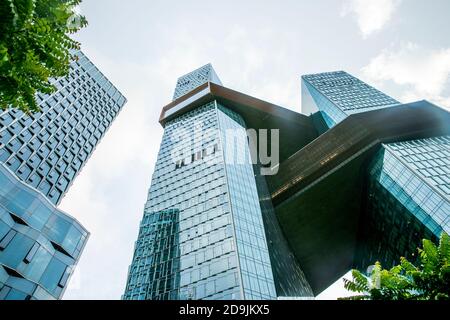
[[40, 156], [361, 177], [216, 246], [413, 174], [339, 94], [48, 149]]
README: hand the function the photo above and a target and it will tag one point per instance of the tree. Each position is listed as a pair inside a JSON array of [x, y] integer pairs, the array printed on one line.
[[35, 46], [429, 280]]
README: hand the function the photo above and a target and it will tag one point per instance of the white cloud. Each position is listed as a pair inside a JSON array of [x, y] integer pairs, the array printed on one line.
[[422, 73], [371, 15]]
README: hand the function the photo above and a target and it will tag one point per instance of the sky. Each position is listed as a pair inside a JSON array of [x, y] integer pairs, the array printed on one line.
[[259, 47]]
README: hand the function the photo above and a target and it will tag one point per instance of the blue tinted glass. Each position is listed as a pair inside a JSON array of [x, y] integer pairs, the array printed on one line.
[[38, 264], [16, 250], [16, 295], [40, 216], [58, 228], [53, 274], [72, 239], [22, 200]]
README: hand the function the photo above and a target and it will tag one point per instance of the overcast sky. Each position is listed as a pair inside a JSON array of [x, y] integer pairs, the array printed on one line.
[[257, 47]]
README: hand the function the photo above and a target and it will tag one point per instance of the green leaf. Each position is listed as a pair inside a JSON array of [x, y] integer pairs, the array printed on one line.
[[34, 47], [444, 248], [407, 266], [429, 255], [428, 281]]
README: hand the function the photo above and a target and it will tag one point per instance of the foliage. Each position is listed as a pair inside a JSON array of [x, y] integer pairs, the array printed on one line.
[[35, 46], [429, 280]]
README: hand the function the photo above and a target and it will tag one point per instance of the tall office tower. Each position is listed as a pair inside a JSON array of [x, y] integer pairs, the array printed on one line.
[[48, 149], [413, 174], [212, 242], [341, 197], [40, 155], [339, 94], [368, 189]]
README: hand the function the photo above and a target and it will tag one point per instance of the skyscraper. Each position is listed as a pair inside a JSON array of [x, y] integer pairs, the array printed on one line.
[[220, 227], [339, 94], [40, 156], [48, 149], [217, 225]]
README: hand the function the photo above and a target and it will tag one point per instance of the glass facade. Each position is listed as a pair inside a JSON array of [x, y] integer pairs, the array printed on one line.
[[48, 149], [253, 254], [39, 244], [290, 281], [40, 156], [220, 250], [155, 270], [408, 198], [421, 195], [195, 79], [338, 94], [409, 181], [213, 227], [429, 159]]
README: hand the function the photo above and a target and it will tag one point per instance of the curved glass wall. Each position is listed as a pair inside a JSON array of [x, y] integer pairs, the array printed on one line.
[[39, 244]]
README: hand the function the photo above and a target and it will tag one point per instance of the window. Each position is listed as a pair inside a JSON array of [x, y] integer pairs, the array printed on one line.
[[17, 219], [55, 194], [44, 186], [63, 281], [7, 239], [24, 172], [53, 274], [4, 291], [31, 253], [44, 168], [34, 180]]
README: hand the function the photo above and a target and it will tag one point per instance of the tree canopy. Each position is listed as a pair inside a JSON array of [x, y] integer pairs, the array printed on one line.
[[428, 280], [35, 46]]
